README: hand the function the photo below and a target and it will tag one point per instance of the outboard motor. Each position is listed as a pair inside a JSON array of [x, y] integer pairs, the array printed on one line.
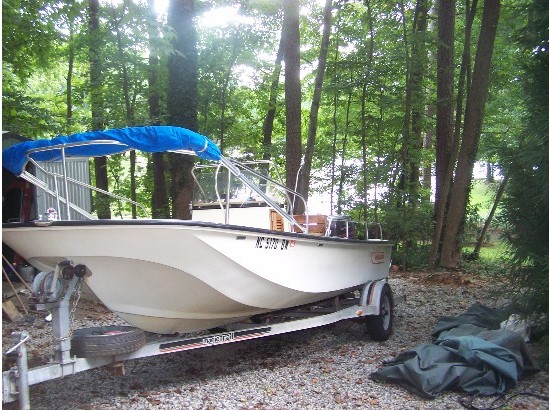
[[341, 227]]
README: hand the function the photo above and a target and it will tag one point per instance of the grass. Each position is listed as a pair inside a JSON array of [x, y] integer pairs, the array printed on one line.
[[482, 195], [492, 259]]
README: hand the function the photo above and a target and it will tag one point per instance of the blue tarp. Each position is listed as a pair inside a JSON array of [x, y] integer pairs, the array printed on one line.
[[465, 356], [147, 139]]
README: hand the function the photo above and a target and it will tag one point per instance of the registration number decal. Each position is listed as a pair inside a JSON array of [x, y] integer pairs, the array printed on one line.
[[274, 243]]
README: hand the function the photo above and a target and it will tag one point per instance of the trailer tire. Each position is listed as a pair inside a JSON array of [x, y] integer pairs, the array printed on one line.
[[106, 341], [380, 326]]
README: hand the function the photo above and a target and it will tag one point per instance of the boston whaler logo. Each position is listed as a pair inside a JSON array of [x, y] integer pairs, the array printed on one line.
[[377, 257], [217, 339]]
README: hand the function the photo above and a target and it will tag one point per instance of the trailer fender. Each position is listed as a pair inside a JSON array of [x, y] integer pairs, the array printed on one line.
[[371, 296], [378, 300]]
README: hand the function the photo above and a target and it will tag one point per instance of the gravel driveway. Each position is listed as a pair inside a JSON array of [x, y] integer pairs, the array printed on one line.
[[323, 368]]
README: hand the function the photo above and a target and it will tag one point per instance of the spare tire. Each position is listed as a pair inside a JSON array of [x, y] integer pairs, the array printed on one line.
[[106, 341]]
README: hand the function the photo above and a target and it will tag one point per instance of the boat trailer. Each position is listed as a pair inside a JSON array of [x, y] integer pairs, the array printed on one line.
[[373, 302]]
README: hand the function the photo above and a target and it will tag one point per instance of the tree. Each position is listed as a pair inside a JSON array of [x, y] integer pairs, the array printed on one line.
[[291, 33], [525, 162], [444, 115], [316, 101], [267, 129], [481, 238], [28, 35], [72, 17], [182, 98], [413, 123], [96, 97], [364, 96], [367, 115], [128, 106], [160, 207], [473, 120]]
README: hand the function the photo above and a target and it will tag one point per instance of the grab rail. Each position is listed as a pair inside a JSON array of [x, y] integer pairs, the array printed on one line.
[[289, 218], [66, 180]]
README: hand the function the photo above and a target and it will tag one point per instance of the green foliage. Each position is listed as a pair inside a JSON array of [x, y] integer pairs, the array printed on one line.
[[482, 195], [22, 112], [411, 228], [525, 161], [362, 108], [411, 259], [493, 260], [28, 34]]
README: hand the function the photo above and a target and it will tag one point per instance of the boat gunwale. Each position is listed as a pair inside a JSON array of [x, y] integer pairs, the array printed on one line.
[[189, 223]]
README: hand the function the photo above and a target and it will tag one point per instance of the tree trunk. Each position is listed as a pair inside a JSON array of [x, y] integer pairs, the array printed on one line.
[[316, 101], [487, 223], [272, 109], [379, 150], [129, 110], [333, 148], [368, 67], [335, 101], [444, 115], [416, 82], [444, 181], [473, 120], [291, 29], [404, 186], [182, 98], [225, 91], [490, 178], [405, 147], [445, 91], [159, 200], [427, 168], [343, 175], [102, 203], [69, 116]]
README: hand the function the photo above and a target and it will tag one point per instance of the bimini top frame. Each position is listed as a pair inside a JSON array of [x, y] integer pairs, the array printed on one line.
[[115, 141]]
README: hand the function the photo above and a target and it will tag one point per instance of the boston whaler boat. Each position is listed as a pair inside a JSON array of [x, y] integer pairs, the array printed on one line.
[[169, 276], [243, 254]]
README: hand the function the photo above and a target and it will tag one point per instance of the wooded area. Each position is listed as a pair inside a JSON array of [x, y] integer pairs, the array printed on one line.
[[364, 102]]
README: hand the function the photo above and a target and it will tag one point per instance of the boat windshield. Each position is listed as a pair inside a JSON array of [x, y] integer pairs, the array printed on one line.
[[217, 186]]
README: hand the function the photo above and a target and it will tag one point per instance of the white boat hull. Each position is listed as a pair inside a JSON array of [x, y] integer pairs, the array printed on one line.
[[181, 276]]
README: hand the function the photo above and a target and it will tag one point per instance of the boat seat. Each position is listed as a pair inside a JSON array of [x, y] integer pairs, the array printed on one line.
[[317, 224]]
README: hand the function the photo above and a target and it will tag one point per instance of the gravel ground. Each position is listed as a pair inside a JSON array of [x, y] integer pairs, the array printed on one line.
[[323, 368]]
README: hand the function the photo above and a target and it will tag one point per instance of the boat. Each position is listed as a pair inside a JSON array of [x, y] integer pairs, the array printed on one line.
[[243, 254]]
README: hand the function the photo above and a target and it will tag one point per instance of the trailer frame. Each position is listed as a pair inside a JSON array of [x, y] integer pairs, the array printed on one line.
[[362, 303]]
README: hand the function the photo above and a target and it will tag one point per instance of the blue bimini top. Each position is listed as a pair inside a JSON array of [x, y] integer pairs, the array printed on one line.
[[114, 141]]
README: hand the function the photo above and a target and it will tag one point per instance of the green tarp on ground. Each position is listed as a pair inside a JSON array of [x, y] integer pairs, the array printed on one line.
[[471, 353]]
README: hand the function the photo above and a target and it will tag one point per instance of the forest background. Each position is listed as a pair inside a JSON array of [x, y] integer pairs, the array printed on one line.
[[381, 107]]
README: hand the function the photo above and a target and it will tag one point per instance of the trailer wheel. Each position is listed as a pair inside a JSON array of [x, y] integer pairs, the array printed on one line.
[[380, 326], [106, 341]]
